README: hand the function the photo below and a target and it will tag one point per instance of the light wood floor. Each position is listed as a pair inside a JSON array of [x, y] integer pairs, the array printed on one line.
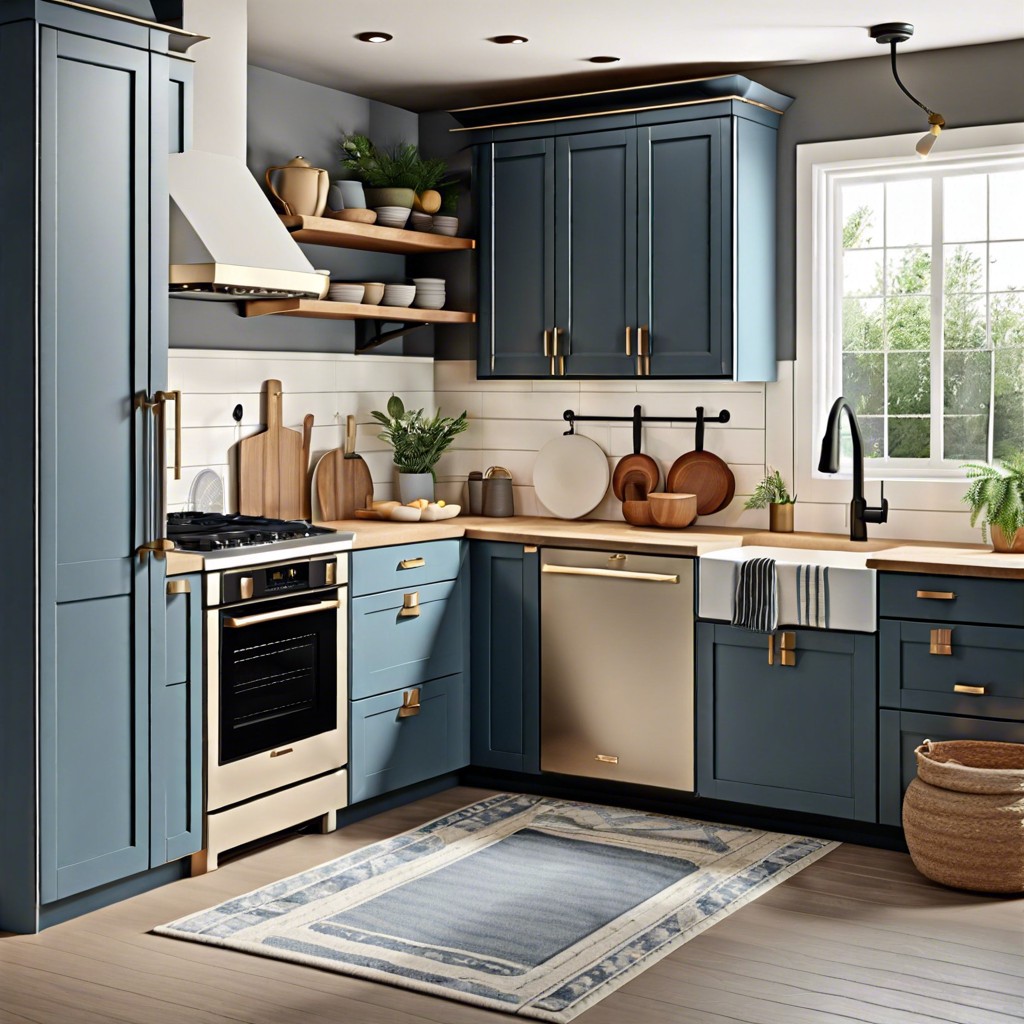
[[857, 936]]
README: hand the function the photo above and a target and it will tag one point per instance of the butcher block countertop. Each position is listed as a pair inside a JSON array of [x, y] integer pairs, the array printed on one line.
[[891, 555]]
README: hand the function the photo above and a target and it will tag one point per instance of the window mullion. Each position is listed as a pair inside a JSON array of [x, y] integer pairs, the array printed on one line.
[[937, 432]]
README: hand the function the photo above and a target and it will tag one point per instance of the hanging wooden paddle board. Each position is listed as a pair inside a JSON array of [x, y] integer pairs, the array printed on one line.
[[271, 476]]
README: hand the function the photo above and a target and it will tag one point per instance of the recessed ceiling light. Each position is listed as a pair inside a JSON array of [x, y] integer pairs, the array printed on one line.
[[503, 40], [603, 60], [374, 37]]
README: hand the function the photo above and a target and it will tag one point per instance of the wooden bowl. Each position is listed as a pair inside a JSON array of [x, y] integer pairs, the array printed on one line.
[[672, 510], [637, 513], [356, 216]]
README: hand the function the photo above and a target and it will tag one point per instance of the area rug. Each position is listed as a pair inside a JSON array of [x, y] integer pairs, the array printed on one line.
[[525, 904]]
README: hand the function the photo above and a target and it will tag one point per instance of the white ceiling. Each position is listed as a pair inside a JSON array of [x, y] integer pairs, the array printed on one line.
[[440, 57]]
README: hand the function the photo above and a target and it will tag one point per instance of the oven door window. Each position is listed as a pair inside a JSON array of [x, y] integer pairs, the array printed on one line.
[[278, 673]]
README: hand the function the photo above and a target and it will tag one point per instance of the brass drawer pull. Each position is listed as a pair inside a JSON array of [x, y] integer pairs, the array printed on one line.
[[964, 688], [937, 595], [179, 587], [412, 563], [281, 753], [629, 341], [410, 605], [941, 641], [410, 703], [529, 549], [607, 758], [771, 648]]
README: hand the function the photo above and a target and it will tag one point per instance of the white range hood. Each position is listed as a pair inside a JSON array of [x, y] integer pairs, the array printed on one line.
[[226, 240]]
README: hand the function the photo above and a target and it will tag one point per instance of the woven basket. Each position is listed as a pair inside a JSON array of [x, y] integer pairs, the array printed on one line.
[[963, 816]]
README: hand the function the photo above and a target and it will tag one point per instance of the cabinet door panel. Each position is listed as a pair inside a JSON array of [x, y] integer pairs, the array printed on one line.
[[595, 282], [900, 732], [94, 331], [517, 241], [685, 230], [506, 656], [797, 737]]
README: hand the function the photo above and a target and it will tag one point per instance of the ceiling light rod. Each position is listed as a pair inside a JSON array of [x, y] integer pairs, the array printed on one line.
[[893, 32]]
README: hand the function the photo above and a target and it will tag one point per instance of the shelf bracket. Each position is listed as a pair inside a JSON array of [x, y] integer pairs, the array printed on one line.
[[370, 336]]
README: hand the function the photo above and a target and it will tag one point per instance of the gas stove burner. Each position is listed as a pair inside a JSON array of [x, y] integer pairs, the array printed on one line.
[[212, 531]]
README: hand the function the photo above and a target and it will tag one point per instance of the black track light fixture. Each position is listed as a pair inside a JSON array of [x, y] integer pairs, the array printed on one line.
[[894, 32]]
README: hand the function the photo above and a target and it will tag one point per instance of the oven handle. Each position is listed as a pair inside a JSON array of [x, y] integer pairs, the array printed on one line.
[[283, 613], [613, 574]]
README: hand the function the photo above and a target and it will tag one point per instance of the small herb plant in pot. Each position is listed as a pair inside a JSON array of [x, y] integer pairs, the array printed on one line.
[[773, 494], [394, 175], [418, 442], [995, 495]]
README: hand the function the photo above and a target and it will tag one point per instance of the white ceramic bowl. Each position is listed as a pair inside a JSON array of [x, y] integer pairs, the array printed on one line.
[[398, 294], [426, 282], [392, 216], [421, 221], [373, 292], [429, 300], [445, 225], [346, 292]]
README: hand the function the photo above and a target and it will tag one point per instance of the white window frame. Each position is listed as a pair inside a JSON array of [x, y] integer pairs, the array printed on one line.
[[817, 379]]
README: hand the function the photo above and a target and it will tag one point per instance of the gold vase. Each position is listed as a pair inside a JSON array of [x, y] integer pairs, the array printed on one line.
[[780, 517]]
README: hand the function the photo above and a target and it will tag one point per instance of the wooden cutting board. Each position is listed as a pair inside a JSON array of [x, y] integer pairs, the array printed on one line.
[[271, 477], [343, 482]]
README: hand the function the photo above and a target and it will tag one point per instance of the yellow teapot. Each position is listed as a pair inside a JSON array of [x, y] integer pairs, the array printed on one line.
[[302, 189]]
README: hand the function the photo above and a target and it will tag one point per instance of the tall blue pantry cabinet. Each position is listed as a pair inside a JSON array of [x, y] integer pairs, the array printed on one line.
[[98, 742]]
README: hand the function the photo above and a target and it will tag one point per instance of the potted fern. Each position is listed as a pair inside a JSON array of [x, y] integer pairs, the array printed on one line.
[[418, 442], [773, 494], [997, 493], [395, 175]]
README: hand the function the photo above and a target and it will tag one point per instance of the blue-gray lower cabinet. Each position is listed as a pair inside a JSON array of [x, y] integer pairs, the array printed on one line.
[[408, 665], [796, 737], [505, 622], [176, 731], [900, 732], [391, 747]]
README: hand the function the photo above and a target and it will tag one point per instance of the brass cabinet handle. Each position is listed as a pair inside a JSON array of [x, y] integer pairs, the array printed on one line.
[[529, 549], [936, 595], [412, 563], [771, 648], [787, 649], [410, 703], [547, 342], [284, 613], [644, 347], [410, 605], [614, 574], [607, 758], [964, 688], [629, 341], [281, 753], [179, 587], [940, 641], [161, 398]]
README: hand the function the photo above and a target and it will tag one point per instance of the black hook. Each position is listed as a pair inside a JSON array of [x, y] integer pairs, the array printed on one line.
[[570, 417], [700, 428], [637, 425]]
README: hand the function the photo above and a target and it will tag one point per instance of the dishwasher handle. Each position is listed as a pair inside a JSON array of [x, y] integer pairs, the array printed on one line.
[[615, 574]]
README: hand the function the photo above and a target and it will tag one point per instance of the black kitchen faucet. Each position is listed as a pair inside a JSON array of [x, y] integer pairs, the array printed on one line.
[[861, 513]]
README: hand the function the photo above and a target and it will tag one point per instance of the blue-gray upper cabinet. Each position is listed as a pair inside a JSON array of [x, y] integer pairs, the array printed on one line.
[[505, 622], [660, 256], [176, 712], [797, 737], [517, 275]]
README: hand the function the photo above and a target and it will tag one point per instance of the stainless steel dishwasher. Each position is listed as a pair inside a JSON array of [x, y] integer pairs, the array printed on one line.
[[617, 667]]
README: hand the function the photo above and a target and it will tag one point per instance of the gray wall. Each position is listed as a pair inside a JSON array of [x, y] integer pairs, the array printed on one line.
[[851, 99], [286, 118]]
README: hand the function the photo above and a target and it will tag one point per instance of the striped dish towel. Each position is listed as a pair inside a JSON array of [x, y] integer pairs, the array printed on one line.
[[811, 586], [755, 603]]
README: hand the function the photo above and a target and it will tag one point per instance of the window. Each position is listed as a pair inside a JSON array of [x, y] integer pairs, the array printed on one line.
[[918, 284]]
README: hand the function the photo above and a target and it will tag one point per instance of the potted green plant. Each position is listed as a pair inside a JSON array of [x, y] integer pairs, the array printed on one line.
[[395, 175], [996, 493], [418, 442], [773, 494]]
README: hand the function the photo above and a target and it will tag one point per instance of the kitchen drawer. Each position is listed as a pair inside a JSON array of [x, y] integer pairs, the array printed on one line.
[[390, 649], [405, 565], [899, 732], [990, 657], [388, 751], [989, 602]]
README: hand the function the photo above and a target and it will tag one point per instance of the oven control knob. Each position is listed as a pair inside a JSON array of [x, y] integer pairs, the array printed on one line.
[[245, 585]]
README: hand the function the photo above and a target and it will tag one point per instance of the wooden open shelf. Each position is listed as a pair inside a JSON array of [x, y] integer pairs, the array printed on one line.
[[324, 309], [346, 234]]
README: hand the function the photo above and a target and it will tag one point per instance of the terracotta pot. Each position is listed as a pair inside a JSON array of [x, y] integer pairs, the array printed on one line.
[[780, 517], [1000, 543]]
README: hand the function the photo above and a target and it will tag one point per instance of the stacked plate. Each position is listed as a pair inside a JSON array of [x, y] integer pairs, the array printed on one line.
[[344, 292], [429, 292], [392, 216], [398, 294]]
